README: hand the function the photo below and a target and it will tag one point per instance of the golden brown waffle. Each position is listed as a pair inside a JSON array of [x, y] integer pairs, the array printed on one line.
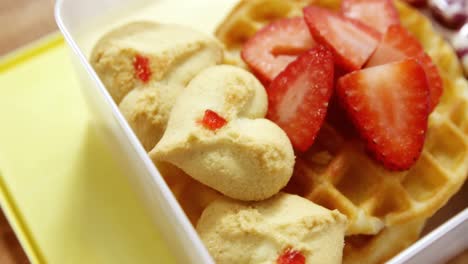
[[338, 174], [362, 249]]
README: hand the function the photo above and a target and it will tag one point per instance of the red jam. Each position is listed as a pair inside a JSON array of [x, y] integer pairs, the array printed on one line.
[[212, 120], [291, 256], [142, 68]]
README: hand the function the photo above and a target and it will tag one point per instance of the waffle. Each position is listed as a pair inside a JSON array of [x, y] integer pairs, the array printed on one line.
[[362, 249], [337, 173]]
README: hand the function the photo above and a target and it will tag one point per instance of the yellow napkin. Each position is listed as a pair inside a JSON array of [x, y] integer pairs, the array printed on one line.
[[66, 197]]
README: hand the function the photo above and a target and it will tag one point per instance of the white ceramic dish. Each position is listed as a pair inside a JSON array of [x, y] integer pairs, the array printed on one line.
[[83, 22]]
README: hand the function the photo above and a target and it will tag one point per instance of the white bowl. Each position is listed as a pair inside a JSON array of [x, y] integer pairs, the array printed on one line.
[[83, 22]]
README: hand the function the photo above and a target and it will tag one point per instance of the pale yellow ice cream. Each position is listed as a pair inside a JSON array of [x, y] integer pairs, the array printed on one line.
[[175, 54], [250, 158], [259, 232], [147, 111]]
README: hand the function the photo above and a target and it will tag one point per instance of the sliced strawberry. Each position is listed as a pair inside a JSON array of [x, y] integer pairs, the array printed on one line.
[[273, 47], [377, 14], [398, 44], [351, 41], [298, 97], [388, 105]]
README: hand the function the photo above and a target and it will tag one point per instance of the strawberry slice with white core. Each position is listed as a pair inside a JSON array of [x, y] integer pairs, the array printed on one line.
[[377, 14], [298, 97], [351, 41], [276, 45], [398, 44], [388, 105]]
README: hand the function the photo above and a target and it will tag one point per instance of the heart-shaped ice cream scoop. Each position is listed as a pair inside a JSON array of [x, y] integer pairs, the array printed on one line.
[[145, 65], [217, 134]]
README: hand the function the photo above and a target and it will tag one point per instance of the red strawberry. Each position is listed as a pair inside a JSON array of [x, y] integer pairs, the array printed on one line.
[[211, 120], [352, 42], [398, 44], [377, 14], [141, 65], [388, 105], [298, 97], [291, 256], [273, 47]]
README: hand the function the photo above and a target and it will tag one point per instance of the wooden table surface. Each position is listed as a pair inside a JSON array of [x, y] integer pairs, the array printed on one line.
[[22, 22], [28, 20]]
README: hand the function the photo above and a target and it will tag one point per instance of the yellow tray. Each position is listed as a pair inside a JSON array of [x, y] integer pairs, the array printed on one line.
[[64, 195]]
